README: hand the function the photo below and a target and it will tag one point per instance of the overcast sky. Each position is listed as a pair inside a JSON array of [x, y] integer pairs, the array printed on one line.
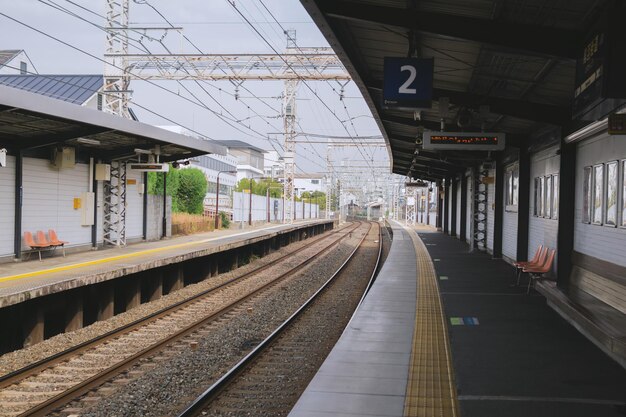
[[214, 26]]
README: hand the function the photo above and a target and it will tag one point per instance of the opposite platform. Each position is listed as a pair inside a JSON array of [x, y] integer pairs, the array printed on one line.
[[27, 280]]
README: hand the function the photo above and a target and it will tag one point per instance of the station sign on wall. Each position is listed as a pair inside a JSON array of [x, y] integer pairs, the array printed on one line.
[[600, 67], [479, 141], [408, 83]]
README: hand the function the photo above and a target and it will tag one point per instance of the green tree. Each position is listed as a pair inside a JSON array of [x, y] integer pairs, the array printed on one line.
[[192, 187], [260, 187], [316, 197], [155, 185]]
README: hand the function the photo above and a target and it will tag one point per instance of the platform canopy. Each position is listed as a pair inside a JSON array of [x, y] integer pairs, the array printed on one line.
[[29, 121], [516, 57]]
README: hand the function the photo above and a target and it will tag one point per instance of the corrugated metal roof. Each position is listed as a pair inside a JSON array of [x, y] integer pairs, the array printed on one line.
[[76, 89], [28, 120], [526, 80], [7, 55]]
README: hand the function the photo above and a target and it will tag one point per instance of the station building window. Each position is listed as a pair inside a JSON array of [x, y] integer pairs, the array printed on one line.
[[611, 193], [555, 196], [537, 206], [597, 200], [624, 193], [547, 197], [511, 184], [587, 176]]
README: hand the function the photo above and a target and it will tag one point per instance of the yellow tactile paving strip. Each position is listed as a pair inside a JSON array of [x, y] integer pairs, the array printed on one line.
[[431, 390]]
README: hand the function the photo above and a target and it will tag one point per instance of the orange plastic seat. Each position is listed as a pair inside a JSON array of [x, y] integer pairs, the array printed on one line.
[[536, 272], [520, 265], [54, 240], [38, 246]]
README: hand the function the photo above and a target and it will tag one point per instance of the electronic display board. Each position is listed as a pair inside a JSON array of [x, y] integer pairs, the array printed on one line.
[[475, 141], [150, 167]]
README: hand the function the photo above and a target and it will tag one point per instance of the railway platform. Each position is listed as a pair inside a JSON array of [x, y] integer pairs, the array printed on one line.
[[459, 340], [126, 276]]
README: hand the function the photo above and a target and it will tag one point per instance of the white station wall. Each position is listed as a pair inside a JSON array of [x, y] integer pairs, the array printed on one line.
[[602, 242], [48, 200], [134, 205], [542, 231], [7, 206]]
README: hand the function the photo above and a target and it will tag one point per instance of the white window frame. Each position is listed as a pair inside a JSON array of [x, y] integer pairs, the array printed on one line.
[[555, 196], [594, 192], [622, 186], [548, 197], [587, 194], [606, 193], [537, 194], [511, 193]]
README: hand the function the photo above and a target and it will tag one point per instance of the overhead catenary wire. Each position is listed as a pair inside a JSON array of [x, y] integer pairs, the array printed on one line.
[[232, 3], [201, 52], [141, 78], [298, 47], [145, 49], [146, 2]]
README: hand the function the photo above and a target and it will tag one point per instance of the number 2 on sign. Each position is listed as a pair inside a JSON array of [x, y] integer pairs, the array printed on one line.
[[404, 88]]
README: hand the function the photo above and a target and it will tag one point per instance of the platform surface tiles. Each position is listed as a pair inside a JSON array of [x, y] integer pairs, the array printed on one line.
[[442, 333], [21, 281], [372, 370]]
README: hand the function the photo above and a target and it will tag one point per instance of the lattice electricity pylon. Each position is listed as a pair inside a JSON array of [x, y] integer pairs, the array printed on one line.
[[309, 64], [296, 64], [114, 220], [411, 206], [289, 110], [396, 201], [480, 208], [116, 79]]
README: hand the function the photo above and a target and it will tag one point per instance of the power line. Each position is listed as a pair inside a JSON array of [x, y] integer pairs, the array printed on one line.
[[199, 104], [232, 3]]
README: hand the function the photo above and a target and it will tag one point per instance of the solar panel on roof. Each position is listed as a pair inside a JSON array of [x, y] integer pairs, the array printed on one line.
[[75, 89]]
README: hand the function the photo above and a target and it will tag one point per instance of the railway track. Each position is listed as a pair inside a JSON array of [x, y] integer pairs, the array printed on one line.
[[270, 379], [49, 384]]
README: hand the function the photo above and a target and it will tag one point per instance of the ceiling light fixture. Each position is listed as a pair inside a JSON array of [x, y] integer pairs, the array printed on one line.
[[88, 141]]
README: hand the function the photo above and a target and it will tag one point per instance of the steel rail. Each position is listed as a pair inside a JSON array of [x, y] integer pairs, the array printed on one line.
[[35, 367], [97, 379], [207, 396]]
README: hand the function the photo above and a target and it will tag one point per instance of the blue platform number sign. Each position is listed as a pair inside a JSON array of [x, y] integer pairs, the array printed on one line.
[[408, 83]]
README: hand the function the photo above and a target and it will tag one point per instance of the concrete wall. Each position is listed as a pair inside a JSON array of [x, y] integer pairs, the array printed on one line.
[[241, 208], [542, 231], [491, 194], [7, 206], [602, 242], [155, 217]]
